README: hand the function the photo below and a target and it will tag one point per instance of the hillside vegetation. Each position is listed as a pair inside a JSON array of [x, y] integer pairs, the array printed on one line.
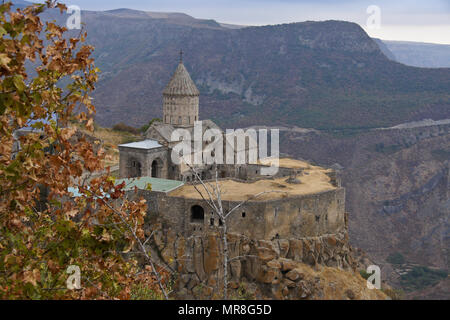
[[110, 139]]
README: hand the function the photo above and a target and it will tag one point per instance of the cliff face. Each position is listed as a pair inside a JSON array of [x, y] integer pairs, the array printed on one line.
[[304, 268], [398, 190]]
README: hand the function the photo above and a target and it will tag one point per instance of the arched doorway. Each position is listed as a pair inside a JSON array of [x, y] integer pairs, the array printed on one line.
[[197, 214], [156, 168], [135, 169]]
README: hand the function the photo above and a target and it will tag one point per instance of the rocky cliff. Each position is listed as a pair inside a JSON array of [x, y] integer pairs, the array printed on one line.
[[398, 191], [304, 268]]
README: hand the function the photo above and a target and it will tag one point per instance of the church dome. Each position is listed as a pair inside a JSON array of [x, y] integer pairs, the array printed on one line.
[[181, 84]]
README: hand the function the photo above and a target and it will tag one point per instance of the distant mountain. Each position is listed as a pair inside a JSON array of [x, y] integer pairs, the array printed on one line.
[[417, 54], [388, 53], [313, 74]]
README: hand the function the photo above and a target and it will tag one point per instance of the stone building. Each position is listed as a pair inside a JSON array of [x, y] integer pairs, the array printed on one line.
[[180, 99], [311, 205], [271, 238], [152, 157], [301, 219]]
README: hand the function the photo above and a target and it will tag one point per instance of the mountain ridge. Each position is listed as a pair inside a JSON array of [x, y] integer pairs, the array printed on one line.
[[327, 74], [420, 54]]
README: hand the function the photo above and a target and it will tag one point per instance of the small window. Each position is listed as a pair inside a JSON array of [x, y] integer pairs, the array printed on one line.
[[211, 221], [197, 214], [243, 214]]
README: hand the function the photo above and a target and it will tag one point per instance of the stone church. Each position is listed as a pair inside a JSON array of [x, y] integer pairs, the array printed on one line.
[[300, 220], [152, 157]]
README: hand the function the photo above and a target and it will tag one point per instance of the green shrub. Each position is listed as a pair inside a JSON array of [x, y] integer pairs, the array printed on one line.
[[143, 292], [396, 258], [125, 128], [145, 127], [364, 274], [422, 277], [382, 148], [243, 293], [441, 154]]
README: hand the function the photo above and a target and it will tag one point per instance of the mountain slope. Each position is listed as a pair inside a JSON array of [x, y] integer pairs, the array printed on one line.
[[388, 53], [313, 74], [397, 190], [417, 54]]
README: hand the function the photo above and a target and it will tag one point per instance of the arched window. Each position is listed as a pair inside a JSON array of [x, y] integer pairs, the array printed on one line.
[[197, 214]]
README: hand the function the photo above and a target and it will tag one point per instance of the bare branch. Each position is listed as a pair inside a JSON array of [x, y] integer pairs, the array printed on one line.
[[142, 248]]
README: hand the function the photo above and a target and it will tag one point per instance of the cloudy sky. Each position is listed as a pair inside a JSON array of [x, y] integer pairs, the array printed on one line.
[[412, 20]]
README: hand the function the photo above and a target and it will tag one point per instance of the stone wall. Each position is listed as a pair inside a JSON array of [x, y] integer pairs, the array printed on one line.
[[290, 217], [180, 111], [145, 158], [251, 172]]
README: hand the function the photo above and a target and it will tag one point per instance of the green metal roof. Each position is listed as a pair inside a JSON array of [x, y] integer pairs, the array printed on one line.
[[159, 185]]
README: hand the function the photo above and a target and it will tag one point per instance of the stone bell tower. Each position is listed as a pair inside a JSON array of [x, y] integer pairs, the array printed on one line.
[[180, 99]]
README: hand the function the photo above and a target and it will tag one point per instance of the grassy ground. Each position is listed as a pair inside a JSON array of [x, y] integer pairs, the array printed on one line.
[[110, 139]]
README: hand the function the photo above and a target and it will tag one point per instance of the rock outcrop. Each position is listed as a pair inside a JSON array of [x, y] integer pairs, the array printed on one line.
[[304, 268]]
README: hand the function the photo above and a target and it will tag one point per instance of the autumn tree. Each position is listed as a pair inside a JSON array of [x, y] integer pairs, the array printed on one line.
[[46, 79]]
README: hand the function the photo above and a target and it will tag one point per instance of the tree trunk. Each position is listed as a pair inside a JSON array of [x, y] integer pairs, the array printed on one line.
[[225, 260]]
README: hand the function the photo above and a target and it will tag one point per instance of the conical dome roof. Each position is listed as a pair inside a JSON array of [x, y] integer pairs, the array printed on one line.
[[181, 83]]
